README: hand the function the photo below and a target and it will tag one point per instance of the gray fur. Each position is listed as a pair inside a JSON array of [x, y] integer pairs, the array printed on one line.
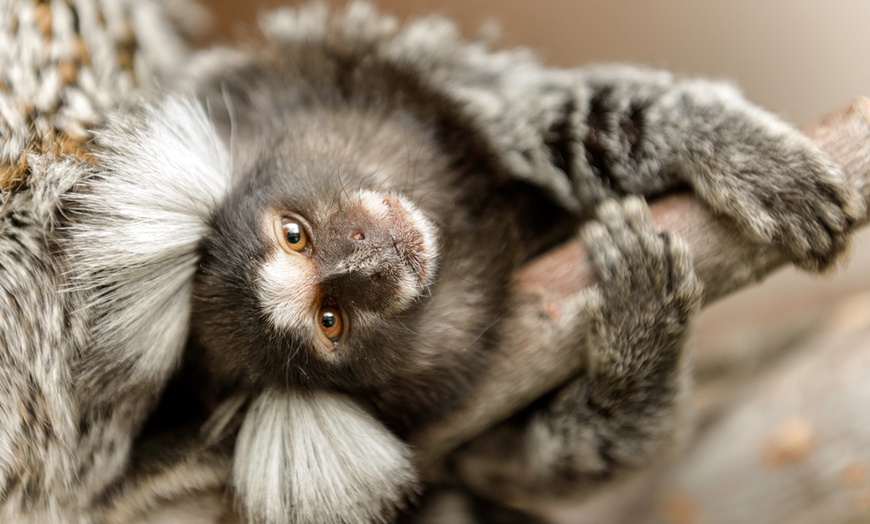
[[94, 314], [62, 443], [482, 142], [37, 349], [626, 410], [497, 137]]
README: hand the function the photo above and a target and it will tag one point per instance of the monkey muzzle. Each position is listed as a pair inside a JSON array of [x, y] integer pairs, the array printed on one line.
[[382, 254]]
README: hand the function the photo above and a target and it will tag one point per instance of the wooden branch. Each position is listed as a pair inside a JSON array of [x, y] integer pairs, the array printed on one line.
[[533, 360], [792, 446]]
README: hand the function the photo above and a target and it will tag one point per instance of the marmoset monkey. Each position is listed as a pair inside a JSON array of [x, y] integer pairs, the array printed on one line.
[[342, 212], [368, 243]]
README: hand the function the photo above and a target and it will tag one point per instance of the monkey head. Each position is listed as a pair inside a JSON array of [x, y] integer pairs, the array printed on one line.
[[304, 281]]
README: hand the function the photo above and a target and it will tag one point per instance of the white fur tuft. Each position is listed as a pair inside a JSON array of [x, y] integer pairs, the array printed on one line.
[[319, 458], [133, 243], [288, 289]]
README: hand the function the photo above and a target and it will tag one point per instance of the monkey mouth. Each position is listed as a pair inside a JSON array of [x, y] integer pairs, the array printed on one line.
[[390, 253]]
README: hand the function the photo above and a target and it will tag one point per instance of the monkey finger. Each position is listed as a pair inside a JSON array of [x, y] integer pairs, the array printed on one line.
[[607, 259]]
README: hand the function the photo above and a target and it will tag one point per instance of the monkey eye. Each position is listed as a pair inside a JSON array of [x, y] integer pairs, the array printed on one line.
[[331, 323], [291, 235]]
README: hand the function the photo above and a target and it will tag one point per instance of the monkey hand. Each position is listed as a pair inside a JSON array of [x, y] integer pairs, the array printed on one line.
[[625, 409], [780, 187], [639, 315]]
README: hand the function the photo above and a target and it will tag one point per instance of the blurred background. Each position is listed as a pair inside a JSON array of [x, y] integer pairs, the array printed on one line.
[[800, 59]]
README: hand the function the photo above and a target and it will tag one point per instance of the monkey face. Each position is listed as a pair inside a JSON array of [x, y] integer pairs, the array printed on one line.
[[366, 259], [319, 291], [318, 266]]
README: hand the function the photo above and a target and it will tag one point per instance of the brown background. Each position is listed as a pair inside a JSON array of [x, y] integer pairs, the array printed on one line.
[[798, 58]]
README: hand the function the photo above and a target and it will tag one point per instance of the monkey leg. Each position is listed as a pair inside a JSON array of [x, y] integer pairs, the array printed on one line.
[[624, 410]]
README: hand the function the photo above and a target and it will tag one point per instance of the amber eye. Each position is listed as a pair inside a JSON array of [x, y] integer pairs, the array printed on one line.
[[291, 235], [331, 323]]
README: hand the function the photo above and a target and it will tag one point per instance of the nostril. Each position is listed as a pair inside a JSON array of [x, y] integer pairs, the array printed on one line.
[[358, 235]]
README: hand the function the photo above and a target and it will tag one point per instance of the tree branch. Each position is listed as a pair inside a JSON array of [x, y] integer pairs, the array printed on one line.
[[533, 361]]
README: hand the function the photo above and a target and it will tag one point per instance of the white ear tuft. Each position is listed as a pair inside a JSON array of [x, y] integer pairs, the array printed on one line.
[[137, 224], [318, 458]]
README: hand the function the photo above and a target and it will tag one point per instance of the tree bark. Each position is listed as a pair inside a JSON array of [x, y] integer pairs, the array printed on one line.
[[531, 362], [792, 446]]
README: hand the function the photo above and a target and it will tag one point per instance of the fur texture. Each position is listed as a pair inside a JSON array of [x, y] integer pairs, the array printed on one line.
[[63, 66], [309, 451], [132, 243], [504, 157]]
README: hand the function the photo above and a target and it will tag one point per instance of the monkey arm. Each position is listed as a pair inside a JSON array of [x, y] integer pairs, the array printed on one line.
[[621, 412], [531, 364]]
